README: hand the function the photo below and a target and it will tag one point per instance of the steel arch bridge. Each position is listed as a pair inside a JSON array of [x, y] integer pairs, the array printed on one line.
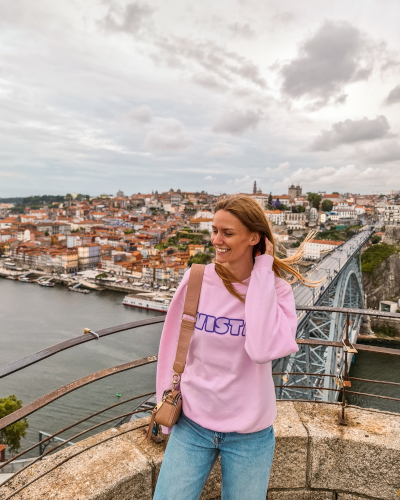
[[341, 288]]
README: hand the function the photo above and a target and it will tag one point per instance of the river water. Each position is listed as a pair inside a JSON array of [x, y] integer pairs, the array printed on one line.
[[34, 317]]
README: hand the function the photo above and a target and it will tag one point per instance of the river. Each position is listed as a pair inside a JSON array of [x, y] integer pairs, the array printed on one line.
[[34, 317]]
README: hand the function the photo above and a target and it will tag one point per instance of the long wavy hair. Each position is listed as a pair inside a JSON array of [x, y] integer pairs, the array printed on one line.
[[250, 213]]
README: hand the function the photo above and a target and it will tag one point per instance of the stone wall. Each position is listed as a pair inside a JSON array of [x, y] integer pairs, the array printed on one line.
[[315, 459]]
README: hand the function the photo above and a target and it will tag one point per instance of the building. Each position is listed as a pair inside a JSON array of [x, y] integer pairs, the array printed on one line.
[[333, 197], [201, 224], [195, 249], [294, 191], [392, 215], [313, 248], [294, 220], [204, 214], [54, 228], [275, 216], [89, 255]]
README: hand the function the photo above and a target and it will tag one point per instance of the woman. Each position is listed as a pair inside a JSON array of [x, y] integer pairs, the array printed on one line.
[[246, 318]]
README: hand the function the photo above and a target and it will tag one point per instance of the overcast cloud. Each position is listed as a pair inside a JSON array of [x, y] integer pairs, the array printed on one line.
[[141, 95], [394, 95], [351, 131]]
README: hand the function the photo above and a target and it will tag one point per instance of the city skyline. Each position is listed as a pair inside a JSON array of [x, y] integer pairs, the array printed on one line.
[[139, 96]]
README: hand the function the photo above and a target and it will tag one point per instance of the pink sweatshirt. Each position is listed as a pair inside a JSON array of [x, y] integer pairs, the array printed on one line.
[[227, 384]]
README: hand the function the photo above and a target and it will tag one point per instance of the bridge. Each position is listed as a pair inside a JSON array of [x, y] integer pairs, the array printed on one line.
[[321, 367]]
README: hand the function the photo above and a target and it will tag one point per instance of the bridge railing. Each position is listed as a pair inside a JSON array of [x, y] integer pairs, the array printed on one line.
[[344, 385]]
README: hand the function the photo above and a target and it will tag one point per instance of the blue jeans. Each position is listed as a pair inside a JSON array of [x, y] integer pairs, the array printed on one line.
[[192, 450]]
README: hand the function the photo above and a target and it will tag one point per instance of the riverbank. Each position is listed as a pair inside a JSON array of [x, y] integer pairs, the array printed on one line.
[[88, 283]]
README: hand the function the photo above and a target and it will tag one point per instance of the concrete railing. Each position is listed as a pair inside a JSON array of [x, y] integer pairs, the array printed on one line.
[[315, 459]]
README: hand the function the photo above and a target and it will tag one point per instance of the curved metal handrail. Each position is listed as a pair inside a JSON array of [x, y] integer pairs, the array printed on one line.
[[73, 386], [67, 344]]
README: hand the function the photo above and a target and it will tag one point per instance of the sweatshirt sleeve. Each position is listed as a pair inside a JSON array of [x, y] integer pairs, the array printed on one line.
[[271, 320], [169, 342]]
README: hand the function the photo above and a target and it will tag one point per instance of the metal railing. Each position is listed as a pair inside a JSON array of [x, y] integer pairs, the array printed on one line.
[[344, 383]]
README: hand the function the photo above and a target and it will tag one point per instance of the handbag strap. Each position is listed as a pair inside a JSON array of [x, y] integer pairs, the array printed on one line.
[[187, 325]]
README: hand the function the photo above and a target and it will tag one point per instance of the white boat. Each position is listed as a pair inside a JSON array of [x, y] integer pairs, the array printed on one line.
[[25, 279], [153, 304], [46, 283]]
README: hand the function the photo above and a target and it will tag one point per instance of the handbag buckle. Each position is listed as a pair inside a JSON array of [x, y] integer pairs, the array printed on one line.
[[195, 317]]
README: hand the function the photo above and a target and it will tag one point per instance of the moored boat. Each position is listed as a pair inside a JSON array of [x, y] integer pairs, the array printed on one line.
[[153, 303], [46, 283]]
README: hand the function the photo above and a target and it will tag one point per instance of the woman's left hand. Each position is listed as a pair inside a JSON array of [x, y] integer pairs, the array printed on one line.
[[269, 248]]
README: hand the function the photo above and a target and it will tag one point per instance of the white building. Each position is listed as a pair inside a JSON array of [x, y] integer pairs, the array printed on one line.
[[392, 215], [315, 247], [359, 210], [346, 213], [73, 241], [201, 224], [204, 214], [313, 215], [275, 216], [333, 216]]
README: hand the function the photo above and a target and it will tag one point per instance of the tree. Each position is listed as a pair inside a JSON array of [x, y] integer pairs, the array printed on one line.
[[375, 239], [335, 192], [46, 233], [11, 435], [200, 258], [314, 199], [327, 205], [270, 201]]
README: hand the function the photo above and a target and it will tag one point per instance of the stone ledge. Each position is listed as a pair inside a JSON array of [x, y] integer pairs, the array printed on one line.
[[360, 458], [301, 494], [315, 459]]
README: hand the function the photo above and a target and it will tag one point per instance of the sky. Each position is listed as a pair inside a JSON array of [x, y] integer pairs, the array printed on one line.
[[103, 95]]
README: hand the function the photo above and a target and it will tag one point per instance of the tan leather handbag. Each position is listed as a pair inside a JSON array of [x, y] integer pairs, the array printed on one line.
[[168, 410]]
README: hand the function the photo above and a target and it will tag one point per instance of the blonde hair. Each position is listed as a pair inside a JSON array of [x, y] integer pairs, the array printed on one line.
[[250, 213]]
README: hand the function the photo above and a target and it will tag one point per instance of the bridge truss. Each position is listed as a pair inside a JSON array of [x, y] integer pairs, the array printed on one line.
[[345, 290]]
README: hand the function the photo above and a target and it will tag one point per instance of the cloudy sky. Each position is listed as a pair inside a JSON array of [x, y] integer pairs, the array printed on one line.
[[139, 95]]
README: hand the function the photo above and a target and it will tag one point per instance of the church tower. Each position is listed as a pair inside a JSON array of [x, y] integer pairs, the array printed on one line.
[[255, 188]]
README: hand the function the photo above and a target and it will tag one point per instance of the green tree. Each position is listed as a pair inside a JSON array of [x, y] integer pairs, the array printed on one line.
[[270, 201], [200, 258], [314, 199], [327, 205], [375, 239], [335, 192], [46, 233], [11, 435]]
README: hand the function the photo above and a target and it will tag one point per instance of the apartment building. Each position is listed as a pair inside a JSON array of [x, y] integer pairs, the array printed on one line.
[[392, 215], [201, 224], [314, 248], [275, 216]]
